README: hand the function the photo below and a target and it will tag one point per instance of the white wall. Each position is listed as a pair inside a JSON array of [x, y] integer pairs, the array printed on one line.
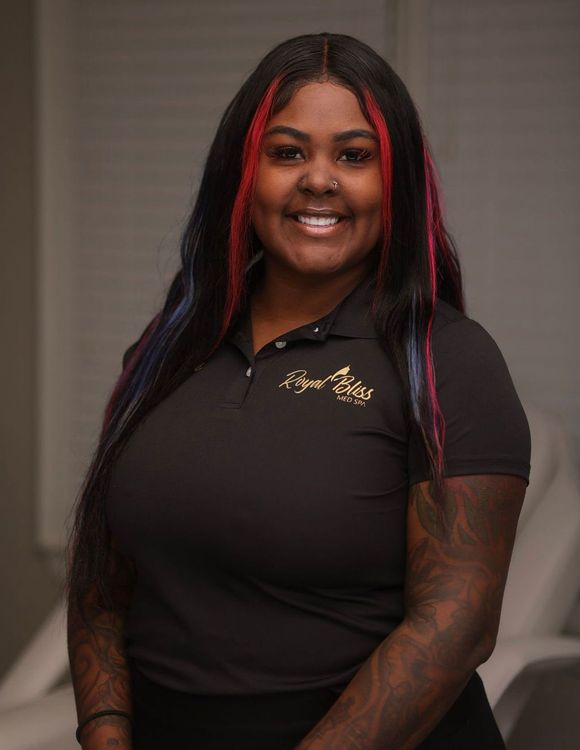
[[498, 85], [27, 586]]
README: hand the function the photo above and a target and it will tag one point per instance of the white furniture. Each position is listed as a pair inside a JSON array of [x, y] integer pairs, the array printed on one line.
[[544, 577], [542, 589], [34, 715]]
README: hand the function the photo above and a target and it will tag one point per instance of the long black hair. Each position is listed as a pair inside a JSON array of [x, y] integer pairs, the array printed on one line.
[[415, 263]]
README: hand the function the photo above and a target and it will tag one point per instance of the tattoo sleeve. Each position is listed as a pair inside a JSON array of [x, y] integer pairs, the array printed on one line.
[[99, 671], [458, 554]]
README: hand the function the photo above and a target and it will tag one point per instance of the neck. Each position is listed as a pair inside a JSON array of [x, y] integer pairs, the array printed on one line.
[[283, 295]]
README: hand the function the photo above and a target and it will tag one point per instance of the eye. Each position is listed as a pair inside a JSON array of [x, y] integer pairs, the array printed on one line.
[[286, 153], [290, 153], [359, 154]]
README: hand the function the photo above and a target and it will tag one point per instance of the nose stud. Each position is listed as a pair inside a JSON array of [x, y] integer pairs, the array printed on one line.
[[333, 184]]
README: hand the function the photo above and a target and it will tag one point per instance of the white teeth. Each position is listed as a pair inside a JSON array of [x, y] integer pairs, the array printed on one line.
[[319, 221]]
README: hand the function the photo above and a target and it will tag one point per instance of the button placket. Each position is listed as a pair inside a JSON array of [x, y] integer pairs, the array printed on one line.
[[238, 391]]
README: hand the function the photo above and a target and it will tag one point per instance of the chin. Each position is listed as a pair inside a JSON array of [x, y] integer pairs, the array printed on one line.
[[317, 262]]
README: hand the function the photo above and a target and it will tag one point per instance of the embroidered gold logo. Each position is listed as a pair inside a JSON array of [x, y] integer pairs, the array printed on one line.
[[341, 382]]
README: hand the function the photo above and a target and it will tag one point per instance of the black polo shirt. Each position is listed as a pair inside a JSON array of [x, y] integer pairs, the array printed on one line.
[[264, 501]]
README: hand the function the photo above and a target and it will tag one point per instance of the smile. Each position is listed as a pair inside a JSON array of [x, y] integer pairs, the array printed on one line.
[[316, 226], [318, 221]]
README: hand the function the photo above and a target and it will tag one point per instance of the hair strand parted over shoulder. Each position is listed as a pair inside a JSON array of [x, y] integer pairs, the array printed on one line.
[[416, 263]]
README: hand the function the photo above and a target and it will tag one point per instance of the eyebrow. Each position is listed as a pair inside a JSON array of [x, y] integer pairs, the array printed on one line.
[[346, 135]]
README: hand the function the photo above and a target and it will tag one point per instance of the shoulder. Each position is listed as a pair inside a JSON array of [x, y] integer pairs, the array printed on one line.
[[455, 334], [450, 321], [445, 314]]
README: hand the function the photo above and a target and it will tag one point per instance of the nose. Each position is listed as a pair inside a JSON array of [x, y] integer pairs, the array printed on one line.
[[317, 179]]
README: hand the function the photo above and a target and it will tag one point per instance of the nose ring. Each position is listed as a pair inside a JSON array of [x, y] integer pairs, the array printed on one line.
[[334, 184]]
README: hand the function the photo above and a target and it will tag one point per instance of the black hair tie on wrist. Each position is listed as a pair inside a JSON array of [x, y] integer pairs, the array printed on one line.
[[108, 712]]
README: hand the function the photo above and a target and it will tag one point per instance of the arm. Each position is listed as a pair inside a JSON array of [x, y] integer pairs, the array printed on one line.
[[457, 562], [98, 665]]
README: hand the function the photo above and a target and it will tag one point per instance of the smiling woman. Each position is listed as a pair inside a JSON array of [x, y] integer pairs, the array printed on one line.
[[297, 525], [320, 140], [314, 229]]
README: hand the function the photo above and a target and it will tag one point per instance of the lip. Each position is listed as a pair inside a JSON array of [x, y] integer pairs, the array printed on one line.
[[311, 231], [318, 212]]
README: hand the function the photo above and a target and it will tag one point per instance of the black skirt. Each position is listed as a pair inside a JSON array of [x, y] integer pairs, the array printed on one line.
[[172, 719]]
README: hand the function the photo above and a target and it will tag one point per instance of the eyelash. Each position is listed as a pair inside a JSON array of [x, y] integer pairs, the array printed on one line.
[[362, 152]]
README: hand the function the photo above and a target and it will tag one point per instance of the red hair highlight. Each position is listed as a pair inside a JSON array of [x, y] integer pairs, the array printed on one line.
[[436, 212], [435, 238], [386, 160], [240, 218]]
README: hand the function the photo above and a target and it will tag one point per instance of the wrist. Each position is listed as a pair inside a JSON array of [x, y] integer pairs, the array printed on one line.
[[102, 730]]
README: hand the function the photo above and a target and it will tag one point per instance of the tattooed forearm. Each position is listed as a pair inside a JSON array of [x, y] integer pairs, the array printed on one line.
[[457, 561], [395, 699], [99, 669]]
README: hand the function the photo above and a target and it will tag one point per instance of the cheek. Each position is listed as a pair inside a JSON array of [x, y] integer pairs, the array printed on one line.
[[369, 197], [364, 190], [272, 190], [270, 198]]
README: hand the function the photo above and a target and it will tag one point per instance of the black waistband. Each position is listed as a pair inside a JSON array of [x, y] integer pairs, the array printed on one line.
[[239, 710], [274, 709]]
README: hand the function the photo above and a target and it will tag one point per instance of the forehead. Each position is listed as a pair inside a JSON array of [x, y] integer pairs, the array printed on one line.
[[327, 105]]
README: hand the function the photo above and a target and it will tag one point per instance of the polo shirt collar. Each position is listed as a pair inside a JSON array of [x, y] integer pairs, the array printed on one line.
[[351, 317]]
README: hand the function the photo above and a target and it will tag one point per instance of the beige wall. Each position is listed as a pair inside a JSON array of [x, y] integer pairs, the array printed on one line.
[[27, 587]]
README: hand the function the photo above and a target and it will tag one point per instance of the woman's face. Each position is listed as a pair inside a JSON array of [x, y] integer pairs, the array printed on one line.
[[307, 146]]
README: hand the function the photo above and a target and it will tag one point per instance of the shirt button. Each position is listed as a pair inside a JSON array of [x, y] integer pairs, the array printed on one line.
[[249, 371], [280, 344], [316, 329]]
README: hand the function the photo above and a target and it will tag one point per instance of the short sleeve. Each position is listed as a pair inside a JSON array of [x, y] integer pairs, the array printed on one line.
[[487, 431]]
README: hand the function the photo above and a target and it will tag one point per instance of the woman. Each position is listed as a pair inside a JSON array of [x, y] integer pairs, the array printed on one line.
[[297, 526]]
